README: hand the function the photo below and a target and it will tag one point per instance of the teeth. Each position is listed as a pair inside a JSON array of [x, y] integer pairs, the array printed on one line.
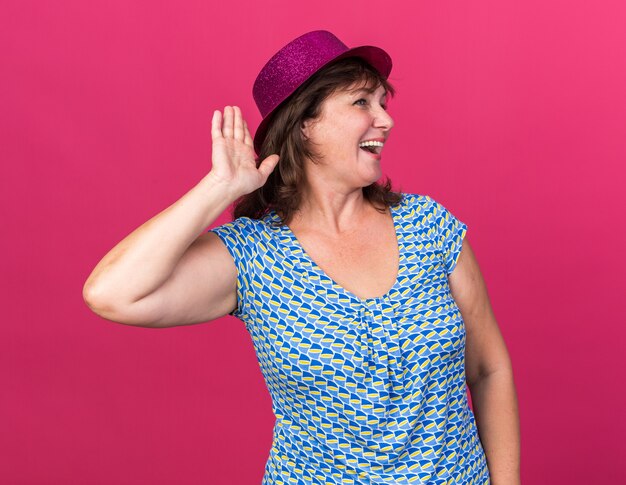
[[371, 144]]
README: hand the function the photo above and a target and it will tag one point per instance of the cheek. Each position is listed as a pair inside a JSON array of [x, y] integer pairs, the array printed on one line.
[[336, 140]]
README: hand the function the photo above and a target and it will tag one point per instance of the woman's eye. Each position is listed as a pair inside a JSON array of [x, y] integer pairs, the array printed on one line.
[[358, 101]]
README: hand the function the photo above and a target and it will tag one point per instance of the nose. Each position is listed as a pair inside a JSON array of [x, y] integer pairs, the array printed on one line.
[[383, 119]]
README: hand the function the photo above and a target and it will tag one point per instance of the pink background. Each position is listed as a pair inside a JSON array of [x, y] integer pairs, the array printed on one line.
[[511, 114]]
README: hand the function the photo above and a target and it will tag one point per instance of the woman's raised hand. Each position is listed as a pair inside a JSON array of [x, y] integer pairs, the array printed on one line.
[[233, 153]]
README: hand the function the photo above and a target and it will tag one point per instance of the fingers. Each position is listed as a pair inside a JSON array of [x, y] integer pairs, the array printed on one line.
[[247, 138], [216, 124], [237, 123], [230, 125], [268, 165], [227, 125]]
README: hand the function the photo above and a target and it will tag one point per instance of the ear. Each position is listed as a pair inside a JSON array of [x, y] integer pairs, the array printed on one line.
[[306, 127]]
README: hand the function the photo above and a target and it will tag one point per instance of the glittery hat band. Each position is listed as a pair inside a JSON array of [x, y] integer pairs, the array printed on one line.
[[292, 65]]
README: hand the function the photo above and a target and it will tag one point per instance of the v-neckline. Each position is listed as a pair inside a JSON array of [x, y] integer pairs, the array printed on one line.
[[305, 257]]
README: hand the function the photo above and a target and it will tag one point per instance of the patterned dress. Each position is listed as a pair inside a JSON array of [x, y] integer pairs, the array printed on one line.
[[365, 391]]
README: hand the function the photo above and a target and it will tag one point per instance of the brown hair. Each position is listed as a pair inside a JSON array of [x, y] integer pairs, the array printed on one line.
[[284, 137]]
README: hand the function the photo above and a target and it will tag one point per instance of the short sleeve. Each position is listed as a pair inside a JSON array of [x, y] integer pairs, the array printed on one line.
[[239, 237], [450, 233]]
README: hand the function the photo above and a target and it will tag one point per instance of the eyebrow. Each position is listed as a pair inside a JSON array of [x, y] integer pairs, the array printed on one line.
[[369, 91]]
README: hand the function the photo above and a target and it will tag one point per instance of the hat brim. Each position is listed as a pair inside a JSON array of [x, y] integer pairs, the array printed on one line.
[[377, 57]]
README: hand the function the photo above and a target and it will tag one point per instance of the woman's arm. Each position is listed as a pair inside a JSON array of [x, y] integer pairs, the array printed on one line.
[[164, 273], [488, 371]]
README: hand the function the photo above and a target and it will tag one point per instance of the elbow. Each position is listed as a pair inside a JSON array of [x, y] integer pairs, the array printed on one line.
[[94, 298], [89, 295], [104, 306]]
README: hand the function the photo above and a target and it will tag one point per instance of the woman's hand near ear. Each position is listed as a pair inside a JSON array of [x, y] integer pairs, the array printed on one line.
[[233, 157]]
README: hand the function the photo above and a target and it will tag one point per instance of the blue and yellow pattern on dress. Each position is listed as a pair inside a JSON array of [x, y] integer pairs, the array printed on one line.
[[365, 391]]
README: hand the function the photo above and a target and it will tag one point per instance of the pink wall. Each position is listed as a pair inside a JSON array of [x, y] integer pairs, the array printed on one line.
[[512, 114]]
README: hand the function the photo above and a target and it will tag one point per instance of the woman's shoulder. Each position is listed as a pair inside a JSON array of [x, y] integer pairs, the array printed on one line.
[[414, 201], [239, 224], [425, 212], [421, 201], [252, 228], [242, 228]]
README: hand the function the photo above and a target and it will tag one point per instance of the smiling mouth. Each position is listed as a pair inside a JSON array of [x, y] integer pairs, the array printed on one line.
[[373, 147]]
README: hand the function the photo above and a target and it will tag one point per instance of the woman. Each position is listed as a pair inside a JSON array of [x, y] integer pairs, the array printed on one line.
[[367, 308]]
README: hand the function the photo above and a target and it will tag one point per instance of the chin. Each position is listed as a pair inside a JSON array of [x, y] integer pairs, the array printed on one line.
[[369, 182], [373, 176]]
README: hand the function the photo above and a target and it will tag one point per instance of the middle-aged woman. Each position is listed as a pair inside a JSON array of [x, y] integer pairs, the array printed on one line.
[[366, 307]]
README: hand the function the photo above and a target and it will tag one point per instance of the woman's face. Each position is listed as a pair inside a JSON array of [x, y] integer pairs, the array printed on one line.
[[346, 120]]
